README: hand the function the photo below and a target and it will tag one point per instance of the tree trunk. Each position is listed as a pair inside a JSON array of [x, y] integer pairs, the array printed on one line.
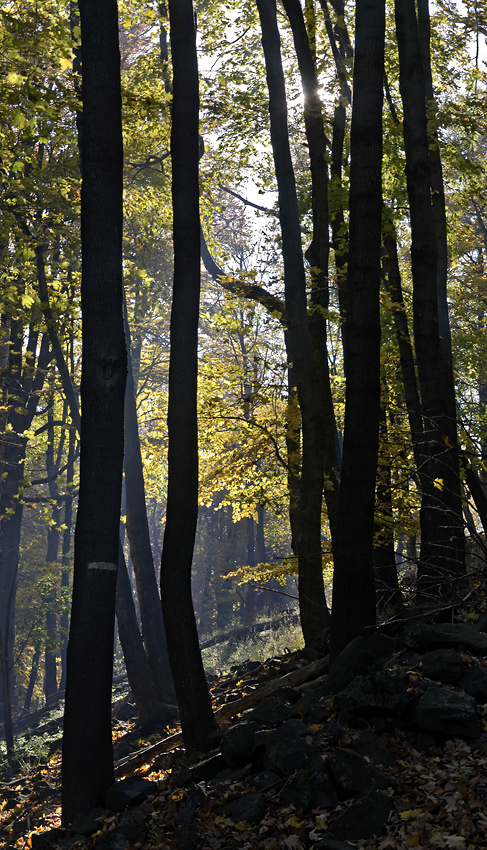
[[140, 547], [353, 583], [182, 496], [87, 770], [312, 602], [317, 253], [32, 676], [442, 535], [138, 670]]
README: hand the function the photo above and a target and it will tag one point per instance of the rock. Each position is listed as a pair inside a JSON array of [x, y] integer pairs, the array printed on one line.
[[317, 714], [85, 824], [203, 771], [369, 746], [129, 792], [355, 659], [333, 732], [285, 753], [366, 817], [383, 646], [379, 695], [237, 744], [190, 803], [270, 712], [48, 839], [248, 808], [112, 840], [352, 774], [127, 712], [267, 779], [132, 823], [443, 665], [474, 683], [297, 727], [232, 774], [449, 713], [311, 788], [422, 637], [481, 623]]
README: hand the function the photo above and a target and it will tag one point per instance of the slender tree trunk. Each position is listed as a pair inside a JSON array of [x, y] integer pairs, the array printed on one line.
[[442, 535], [87, 770], [318, 252], [182, 497], [34, 670], [138, 670], [353, 583], [140, 547], [313, 608]]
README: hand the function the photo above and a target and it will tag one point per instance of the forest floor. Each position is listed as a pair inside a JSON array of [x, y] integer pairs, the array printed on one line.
[[440, 796]]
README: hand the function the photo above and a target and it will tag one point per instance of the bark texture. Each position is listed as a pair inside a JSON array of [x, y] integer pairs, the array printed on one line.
[[87, 769], [353, 584], [182, 496]]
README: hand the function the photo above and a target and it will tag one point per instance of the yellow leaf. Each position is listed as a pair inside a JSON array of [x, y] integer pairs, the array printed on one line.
[[410, 814], [295, 822], [438, 483], [65, 62], [412, 840]]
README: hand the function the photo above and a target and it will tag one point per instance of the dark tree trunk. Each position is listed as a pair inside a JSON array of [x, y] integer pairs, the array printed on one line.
[[318, 252], [313, 608], [138, 670], [140, 547], [384, 554], [34, 670], [52, 470], [24, 386], [442, 535], [353, 583], [66, 549], [87, 745], [182, 497], [343, 55]]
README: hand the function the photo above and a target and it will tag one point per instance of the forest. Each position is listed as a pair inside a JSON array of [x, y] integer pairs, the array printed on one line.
[[243, 448]]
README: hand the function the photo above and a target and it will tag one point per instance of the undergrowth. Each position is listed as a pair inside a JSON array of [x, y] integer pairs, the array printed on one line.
[[219, 659]]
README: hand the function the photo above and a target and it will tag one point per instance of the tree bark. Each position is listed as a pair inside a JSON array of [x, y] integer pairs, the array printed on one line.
[[442, 535], [312, 602], [140, 546], [87, 769], [353, 583], [182, 496]]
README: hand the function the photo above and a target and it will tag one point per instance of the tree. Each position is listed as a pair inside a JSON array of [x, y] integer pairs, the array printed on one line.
[[87, 747], [442, 535], [182, 493], [353, 580]]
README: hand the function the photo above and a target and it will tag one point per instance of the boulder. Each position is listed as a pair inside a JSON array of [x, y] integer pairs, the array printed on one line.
[[237, 743], [355, 659], [311, 788], [422, 637], [474, 683], [370, 747], [443, 665], [271, 712], [248, 808], [352, 773], [449, 713], [129, 792], [366, 817], [378, 695], [286, 753]]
